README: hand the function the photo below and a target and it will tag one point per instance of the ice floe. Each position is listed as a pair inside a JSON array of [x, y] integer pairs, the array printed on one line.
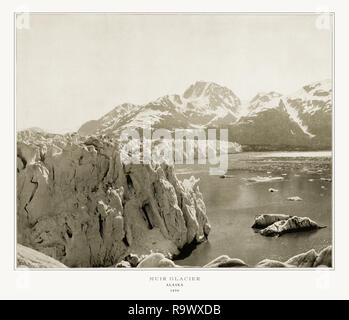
[[295, 198], [264, 179]]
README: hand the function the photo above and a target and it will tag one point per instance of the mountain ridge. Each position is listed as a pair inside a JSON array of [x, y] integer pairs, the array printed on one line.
[[302, 118]]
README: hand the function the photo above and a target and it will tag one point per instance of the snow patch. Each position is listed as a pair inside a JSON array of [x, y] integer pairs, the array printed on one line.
[[293, 113], [264, 179]]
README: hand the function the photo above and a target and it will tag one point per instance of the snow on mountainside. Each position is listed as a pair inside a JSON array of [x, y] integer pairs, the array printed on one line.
[[303, 118], [313, 98], [210, 98], [263, 101], [311, 107], [109, 120], [202, 104], [210, 105], [267, 123]]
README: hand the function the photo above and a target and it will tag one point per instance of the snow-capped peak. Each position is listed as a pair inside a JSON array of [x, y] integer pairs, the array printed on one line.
[[316, 88], [202, 89], [305, 115], [312, 98], [211, 98], [264, 101], [196, 90]]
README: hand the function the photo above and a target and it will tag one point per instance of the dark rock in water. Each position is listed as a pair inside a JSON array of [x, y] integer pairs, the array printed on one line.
[[292, 224], [303, 260], [265, 220], [226, 262], [273, 190], [324, 258], [133, 259], [226, 176], [186, 251]]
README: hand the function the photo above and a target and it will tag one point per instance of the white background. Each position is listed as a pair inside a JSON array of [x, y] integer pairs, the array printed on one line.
[[133, 284]]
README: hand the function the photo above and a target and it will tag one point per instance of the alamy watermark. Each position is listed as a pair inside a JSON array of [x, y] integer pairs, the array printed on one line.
[[324, 19], [22, 18], [176, 147]]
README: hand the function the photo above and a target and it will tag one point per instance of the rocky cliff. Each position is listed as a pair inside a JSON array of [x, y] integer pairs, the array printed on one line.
[[77, 203]]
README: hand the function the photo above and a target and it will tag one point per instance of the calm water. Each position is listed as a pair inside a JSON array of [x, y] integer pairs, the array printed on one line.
[[233, 202]]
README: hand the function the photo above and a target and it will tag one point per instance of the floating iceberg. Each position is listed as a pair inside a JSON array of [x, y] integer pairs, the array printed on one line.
[[264, 179], [295, 198]]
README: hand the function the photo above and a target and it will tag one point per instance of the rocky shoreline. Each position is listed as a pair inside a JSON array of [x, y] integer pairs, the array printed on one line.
[[29, 258], [309, 259]]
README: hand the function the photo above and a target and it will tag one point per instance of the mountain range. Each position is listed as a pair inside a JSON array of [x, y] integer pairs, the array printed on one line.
[[270, 121]]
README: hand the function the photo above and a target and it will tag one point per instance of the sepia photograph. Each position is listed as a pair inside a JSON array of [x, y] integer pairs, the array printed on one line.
[[174, 140]]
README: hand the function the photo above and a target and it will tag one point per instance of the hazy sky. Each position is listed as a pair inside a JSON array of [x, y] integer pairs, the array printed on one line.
[[77, 67]]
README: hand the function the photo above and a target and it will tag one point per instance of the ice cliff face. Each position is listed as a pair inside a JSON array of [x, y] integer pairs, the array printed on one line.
[[77, 203]]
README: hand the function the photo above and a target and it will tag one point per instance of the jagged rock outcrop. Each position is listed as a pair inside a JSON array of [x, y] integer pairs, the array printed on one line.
[[226, 262], [29, 258], [269, 263], [123, 264], [77, 203], [309, 259], [278, 224], [292, 224], [324, 258], [156, 260], [303, 260], [265, 220], [133, 260]]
